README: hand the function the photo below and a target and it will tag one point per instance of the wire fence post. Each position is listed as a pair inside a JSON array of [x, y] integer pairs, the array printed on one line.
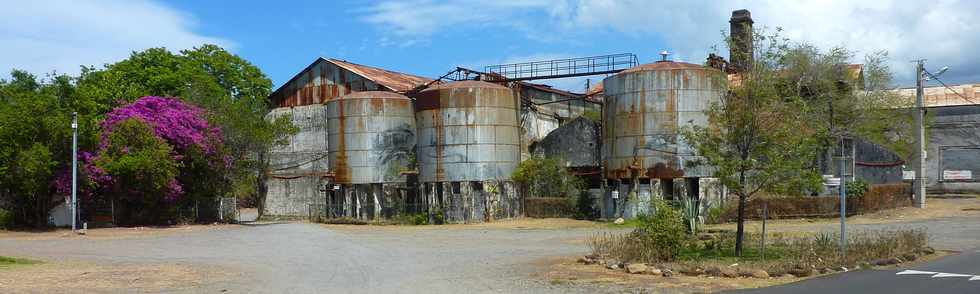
[[765, 216]]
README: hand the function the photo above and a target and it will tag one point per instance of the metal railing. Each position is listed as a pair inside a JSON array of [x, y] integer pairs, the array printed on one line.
[[563, 68]]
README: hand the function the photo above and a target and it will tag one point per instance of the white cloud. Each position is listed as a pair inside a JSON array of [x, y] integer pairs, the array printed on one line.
[[944, 32], [45, 36]]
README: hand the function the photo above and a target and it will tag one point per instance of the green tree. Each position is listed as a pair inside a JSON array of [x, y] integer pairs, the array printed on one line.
[[35, 140], [757, 139], [846, 100], [143, 171], [232, 90]]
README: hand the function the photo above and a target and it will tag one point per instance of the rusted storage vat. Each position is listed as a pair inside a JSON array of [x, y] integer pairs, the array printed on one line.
[[371, 136], [646, 108], [468, 146]]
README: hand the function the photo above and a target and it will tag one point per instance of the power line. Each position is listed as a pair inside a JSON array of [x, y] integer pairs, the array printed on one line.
[[951, 89]]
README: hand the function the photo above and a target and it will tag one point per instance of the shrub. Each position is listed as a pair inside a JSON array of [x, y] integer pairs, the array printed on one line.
[[546, 177], [544, 207], [6, 219], [583, 207], [856, 188], [657, 238], [592, 115], [663, 233]]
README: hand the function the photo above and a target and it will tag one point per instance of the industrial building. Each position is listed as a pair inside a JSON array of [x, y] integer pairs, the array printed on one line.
[[374, 143], [953, 148], [300, 173], [355, 153]]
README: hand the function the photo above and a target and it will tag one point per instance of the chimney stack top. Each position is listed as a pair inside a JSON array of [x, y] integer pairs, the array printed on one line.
[[741, 15]]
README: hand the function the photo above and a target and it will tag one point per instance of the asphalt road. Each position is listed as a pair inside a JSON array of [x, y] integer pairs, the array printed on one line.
[[951, 275]]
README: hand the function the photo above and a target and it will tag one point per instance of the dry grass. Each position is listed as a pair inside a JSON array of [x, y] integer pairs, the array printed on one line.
[[568, 273], [113, 233], [782, 253], [103, 278]]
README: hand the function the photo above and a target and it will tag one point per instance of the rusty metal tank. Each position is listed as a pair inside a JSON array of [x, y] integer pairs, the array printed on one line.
[[645, 109], [467, 131], [370, 137]]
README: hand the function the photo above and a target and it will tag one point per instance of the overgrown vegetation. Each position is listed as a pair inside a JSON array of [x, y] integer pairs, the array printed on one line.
[[6, 262], [592, 115], [856, 188], [775, 129], [658, 237], [546, 177], [35, 140], [6, 219], [782, 253]]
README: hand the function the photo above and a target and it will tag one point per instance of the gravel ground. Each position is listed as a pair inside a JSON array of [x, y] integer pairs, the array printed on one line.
[[311, 258]]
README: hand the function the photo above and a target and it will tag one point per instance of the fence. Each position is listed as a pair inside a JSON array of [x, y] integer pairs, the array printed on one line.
[[549, 207], [878, 197]]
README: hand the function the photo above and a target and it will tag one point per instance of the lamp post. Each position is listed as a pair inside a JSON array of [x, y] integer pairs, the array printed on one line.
[[921, 76], [74, 170]]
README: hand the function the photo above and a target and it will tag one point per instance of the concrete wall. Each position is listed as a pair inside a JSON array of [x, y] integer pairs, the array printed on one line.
[[709, 193], [297, 169], [954, 145], [576, 142]]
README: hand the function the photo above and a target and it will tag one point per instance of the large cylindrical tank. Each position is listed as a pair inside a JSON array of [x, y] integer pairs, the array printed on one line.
[[467, 131], [371, 137], [645, 109]]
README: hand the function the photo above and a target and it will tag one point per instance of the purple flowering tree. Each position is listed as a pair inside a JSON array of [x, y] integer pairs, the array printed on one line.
[[155, 154]]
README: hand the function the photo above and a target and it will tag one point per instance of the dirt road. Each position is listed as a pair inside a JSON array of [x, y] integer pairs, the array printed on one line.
[[503, 257]]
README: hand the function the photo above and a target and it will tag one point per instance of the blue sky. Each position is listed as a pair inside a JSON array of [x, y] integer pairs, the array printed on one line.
[[431, 37]]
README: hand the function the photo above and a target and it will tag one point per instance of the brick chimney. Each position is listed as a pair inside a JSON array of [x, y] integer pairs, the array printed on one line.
[[740, 51]]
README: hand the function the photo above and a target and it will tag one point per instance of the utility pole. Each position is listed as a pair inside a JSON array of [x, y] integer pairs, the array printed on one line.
[[74, 170], [920, 137]]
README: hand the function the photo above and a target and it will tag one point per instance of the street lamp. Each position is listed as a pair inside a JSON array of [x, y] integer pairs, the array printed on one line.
[[921, 76], [74, 170]]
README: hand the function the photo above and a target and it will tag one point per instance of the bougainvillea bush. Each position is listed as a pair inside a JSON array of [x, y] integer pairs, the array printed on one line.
[[156, 155], [143, 170]]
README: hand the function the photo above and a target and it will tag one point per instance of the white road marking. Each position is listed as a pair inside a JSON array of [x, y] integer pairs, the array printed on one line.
[[939, 274]]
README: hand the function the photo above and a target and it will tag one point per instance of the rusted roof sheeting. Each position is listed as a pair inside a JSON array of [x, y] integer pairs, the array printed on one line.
[[326, 79], [940, 96], [395, 81]]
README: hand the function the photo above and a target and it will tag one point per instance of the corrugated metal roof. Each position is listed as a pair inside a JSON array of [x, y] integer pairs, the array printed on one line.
[[396, 81], [940, 96]]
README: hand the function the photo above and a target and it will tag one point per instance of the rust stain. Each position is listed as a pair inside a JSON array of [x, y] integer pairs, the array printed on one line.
[[342, 174], [663, 171], [302, 89]]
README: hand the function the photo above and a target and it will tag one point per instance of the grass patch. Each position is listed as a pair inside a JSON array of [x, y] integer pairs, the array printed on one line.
[[7, 262]]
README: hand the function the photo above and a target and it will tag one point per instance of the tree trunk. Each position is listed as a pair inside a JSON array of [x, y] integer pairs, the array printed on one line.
[[740, 232], [262, 188]]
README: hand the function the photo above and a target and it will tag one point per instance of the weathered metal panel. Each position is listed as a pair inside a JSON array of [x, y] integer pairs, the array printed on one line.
[[319, 83], [468, 131], [646, 107], [371, 137]]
